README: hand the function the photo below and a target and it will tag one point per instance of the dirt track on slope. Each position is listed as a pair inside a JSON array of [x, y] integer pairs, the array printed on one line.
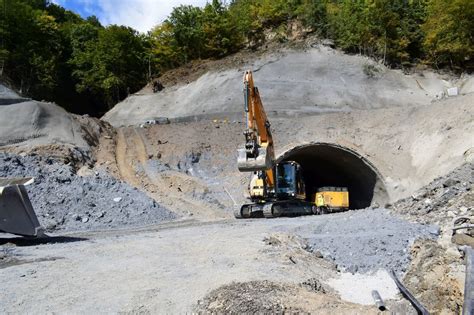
[[133, 163]]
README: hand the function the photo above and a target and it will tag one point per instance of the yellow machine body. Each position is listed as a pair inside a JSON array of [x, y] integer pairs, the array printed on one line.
[[257, 187], [332, 198]]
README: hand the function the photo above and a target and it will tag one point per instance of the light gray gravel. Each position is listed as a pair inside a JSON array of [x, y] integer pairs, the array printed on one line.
[[443, 199], [65, 201], [365, 240]]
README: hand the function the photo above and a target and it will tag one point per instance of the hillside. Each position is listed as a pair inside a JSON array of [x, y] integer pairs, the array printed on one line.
[[151, 194], [292, 83]]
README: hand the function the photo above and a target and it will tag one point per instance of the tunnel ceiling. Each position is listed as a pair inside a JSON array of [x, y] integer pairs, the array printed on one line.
[[326, 164]]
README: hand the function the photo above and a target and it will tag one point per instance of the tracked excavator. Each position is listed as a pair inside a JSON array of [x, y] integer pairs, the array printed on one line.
[[276, 189], [16, 212]]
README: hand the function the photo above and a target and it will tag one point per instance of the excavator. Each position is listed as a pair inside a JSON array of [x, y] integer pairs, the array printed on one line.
[[276, 189], [16, 212]]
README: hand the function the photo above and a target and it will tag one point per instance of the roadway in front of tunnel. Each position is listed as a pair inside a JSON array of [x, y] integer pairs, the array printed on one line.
[[170, 268]]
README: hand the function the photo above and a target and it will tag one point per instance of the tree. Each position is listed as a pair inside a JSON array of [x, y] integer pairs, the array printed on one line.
[[449, 32], [187, 30], [219, 32], [164, 49], [314, 14], [111, 65]]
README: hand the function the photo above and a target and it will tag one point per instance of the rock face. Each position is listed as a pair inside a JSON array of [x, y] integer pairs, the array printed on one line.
[[317, 80], [65, 201], [34, 123], [365, 240], [443, 199], [8, 96]]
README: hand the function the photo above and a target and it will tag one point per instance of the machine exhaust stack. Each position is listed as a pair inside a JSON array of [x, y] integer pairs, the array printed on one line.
[[16, 212]]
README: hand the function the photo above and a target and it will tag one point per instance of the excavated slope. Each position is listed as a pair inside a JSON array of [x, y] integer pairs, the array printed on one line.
[[293, 83], [26, 123]]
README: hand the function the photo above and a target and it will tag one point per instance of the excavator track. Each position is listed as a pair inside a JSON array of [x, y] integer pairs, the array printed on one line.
[[247, 211], [238, 212], [268, 211], [274, 209]]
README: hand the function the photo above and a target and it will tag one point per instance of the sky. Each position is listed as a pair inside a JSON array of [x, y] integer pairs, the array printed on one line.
[[142, 15]]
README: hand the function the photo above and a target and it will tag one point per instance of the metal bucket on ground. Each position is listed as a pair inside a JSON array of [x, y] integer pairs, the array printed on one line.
[[16, 212]]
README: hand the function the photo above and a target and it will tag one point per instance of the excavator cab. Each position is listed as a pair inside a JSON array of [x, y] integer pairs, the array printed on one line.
[[289, 181], [16, 212]]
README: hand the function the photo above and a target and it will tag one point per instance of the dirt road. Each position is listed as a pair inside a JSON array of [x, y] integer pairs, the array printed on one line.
[[169, 268]]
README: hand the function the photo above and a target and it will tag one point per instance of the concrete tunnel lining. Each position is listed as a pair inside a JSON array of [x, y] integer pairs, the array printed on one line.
[[327, 164]]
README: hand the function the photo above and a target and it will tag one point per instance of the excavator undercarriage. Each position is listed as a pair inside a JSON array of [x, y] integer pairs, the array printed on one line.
[[274, 209]]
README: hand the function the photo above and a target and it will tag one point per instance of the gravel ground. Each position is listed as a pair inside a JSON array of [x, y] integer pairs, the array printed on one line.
[[364, 241], [443, 199], [65, 201]]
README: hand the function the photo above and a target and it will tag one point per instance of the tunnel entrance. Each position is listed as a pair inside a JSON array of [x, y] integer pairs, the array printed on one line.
[[326, 164]]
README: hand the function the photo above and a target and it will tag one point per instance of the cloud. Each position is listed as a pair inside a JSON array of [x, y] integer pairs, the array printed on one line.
[[142, 15]]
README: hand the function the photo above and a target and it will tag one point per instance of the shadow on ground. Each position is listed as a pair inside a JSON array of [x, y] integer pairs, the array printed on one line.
[[24, 241]]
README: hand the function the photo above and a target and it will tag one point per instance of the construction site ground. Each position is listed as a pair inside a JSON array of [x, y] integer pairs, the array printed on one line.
[[139, 205]]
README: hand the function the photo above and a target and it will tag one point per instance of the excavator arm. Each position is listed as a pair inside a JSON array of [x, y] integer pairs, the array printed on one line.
[[258, 154]]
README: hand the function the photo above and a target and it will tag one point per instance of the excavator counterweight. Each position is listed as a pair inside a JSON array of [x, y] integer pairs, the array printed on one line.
[[16, 212]]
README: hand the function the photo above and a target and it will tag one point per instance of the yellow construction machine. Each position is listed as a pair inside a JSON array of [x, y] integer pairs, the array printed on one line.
[[16, 212], [276, 189]]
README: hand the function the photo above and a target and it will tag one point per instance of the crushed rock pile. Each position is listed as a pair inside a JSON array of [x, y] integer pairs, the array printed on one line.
[[65, 201], [249, 297], [443, 199], [366, 240]]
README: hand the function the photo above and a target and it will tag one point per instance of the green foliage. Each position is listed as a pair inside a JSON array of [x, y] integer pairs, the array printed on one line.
[[54, 54], [314, 14], [188, 33], [220, 37], [449, 32], [389, 29], [108, 61]]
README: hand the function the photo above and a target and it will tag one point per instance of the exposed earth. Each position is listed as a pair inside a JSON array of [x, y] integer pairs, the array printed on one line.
[[138, 205]]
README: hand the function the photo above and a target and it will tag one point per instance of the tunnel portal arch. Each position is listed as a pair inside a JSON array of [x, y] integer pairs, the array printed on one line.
[[328, 164]]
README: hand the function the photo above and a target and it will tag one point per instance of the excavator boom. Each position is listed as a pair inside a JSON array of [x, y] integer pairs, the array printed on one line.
[[258, 154]]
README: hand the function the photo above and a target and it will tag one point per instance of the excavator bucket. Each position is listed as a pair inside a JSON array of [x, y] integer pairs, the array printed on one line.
[[262, 162], [16, 212]]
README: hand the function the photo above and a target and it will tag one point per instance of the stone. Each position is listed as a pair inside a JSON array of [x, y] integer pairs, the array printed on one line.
[[454, 91], [318, 254], [435, 230], [449, 182], [85, 220], [463, 239], [118, 199]]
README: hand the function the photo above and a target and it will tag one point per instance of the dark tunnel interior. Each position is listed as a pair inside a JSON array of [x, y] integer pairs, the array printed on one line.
[[331, 165]]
